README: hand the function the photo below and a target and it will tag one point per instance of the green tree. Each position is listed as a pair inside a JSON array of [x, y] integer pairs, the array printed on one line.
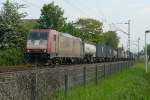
[[90, 29], [26, 26], [71, 29], [52, 16], [111, 39], [90, 26], [10, 22]]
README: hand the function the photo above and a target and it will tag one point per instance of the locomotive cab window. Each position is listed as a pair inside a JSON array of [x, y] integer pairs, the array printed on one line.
[[38, 36]]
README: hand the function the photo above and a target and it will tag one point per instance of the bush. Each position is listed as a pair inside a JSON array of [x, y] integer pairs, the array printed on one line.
[[11, 56]]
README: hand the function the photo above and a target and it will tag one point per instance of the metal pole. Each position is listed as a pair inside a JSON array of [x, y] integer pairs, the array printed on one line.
[[145, 54], [138, 46], [146, 57], [129, 35]]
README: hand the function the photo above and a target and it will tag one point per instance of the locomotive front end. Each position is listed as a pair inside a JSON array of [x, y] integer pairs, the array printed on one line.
[[37, 44]]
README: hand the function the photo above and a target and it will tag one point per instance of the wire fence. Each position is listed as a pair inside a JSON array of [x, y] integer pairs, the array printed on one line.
[[41, 83]]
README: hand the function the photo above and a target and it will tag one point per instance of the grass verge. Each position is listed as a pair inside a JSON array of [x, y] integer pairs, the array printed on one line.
[[130, 84]]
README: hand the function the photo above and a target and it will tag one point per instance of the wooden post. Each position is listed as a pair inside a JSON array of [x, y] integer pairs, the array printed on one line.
[[110, 69], [126, 65], [36, 79], [33, 87], [115, 67], [96, 75], [84, 76], [104, 71], [121, 66], [118, 66], [66, 84]]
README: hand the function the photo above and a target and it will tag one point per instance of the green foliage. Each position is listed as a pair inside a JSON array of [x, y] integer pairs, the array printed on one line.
[[89, 26], [51, 16], [11, 56], [10, 22], [99, 38], [69, 28], [12, 34], [89, 29], [111, 39], [26, 27], [131, 84]]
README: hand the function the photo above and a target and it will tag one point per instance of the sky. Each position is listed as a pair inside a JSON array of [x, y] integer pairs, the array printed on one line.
[[107, 11]]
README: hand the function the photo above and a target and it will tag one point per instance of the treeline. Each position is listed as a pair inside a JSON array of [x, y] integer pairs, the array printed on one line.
[[14, 29]]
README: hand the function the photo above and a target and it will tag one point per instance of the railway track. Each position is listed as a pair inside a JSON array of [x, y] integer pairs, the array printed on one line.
[[40, 67]]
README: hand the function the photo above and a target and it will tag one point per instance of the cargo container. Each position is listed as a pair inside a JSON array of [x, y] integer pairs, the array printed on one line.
[[114, 54], [109, 52], [120, 53], [100, 51], [89, 50]]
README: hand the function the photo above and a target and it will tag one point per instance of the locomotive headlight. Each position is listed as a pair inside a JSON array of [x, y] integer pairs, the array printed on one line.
[[44, 50], [28, 50]]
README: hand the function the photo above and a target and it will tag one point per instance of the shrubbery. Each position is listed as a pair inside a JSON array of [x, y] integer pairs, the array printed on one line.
[[11, 56]]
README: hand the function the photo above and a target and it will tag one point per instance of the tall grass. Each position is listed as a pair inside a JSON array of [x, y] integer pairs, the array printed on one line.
[[131, 84]]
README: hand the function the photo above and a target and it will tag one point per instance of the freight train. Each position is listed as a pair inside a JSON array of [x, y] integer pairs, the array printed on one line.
[[53, 47]]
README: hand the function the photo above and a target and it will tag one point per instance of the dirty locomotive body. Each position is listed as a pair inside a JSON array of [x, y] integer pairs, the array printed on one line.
[[51, 46]]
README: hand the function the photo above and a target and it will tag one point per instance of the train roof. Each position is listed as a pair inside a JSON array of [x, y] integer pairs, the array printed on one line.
[[41, 30], [68, 35]]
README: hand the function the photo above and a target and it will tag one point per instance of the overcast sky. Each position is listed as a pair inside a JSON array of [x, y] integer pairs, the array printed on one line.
[[107, 11]]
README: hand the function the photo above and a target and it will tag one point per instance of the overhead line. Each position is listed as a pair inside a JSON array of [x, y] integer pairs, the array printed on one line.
[[31, 3], [80, 10], [101, 18], [97, 15]]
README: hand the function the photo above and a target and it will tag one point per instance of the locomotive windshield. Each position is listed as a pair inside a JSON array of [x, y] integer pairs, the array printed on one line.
[[38, 36]]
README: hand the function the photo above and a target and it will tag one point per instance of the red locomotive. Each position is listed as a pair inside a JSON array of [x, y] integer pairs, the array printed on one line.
[[52, 46]]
